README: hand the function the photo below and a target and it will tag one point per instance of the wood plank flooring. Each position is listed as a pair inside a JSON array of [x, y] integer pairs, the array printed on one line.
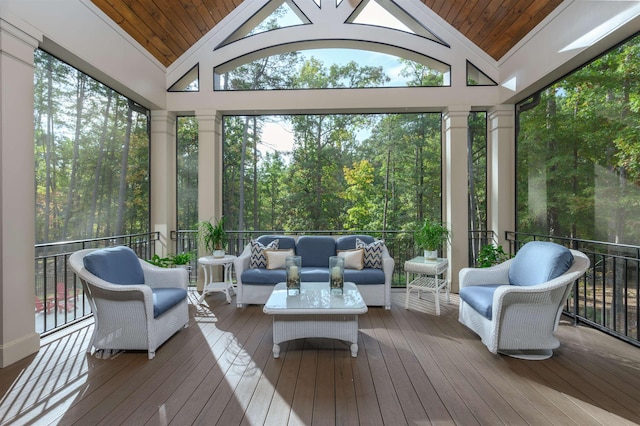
[[413, 368]]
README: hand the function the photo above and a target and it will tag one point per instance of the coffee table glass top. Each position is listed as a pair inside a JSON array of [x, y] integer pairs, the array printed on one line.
[[315, 297]]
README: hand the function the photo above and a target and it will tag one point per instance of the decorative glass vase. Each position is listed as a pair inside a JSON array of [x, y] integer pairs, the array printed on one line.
[[293, 265], [336, 274]]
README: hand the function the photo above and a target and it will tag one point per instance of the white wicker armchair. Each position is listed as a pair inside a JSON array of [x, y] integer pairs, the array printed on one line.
[[124, 313], [521, 319]]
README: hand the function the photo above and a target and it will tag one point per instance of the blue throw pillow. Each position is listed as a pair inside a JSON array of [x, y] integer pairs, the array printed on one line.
[[538, 262], [117, 265]]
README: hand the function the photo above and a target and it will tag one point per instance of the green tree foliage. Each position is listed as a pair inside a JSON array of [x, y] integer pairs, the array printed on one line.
[[578, 148], [345, 171], [360, 193], [91, 156]]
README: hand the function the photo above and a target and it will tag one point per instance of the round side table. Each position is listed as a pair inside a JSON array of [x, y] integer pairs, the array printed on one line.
[[210, 286]]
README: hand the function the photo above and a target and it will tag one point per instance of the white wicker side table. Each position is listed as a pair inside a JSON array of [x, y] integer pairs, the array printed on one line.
[[315, 312], [209, 286], [430, 276]]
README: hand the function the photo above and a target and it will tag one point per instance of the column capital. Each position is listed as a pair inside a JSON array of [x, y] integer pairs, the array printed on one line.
[[455, 111], [502, 111], [163, 114], [17, 43]]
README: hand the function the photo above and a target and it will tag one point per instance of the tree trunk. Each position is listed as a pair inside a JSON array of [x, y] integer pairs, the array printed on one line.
[[98, 169], [81, 83], [122, 189], [472, 192], [243, 159], [317, 210], [256, 216], [48, 150], [386, 191]]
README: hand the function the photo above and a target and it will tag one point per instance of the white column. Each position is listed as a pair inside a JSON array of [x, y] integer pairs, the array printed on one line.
[[163, 178], [501, 170], [209, 165], [209, 173], [456, 188], [18, 338]]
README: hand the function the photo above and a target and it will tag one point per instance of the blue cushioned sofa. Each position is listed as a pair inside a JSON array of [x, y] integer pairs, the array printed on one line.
[[255, 284]]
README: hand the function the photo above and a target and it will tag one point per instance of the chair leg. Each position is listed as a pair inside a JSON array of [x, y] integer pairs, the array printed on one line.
[[528, 354]]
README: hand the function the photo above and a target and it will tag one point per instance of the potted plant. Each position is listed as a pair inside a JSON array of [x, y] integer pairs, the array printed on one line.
[[162, 262], [431, 236], [490, 255], [181, 259], [211, 234]]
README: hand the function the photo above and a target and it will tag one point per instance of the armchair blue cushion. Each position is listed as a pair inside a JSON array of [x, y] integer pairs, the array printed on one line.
[[166, 298], [538, 262], [117, 265], [480, 298]]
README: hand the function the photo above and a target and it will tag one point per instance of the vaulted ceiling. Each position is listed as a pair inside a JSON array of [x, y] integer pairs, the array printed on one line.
[[167, 28]]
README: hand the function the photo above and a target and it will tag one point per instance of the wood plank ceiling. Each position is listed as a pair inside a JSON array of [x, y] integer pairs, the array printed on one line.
[[167, 28]]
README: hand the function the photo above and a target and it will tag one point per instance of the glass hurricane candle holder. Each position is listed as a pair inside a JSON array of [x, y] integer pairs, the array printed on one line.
[[336, 274], [293, 265]]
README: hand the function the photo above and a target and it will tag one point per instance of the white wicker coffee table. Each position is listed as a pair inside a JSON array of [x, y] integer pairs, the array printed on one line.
[[315, 312]]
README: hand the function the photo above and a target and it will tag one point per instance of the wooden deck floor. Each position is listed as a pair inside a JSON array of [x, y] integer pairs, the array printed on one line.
[[412, 368]]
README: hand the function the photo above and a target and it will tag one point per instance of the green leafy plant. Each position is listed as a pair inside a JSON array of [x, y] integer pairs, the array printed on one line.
[[211, 234], [163, 262], [180, 258], [491, 255], [431, 235]]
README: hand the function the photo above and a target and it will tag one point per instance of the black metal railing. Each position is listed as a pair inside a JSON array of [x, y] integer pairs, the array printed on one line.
[[59, 299], [477, 240], [607, 296]]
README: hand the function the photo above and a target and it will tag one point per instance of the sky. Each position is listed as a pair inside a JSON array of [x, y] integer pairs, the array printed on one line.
[[278, 135]]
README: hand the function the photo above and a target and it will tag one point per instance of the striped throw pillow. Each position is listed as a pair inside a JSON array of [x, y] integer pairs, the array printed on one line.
[[258, 257], [372, 253]]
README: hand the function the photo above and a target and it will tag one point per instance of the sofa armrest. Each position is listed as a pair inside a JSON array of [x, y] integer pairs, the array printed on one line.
[[388, 263], [241, 263]]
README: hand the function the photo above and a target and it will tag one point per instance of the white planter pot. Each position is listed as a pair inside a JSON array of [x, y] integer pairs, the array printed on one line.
[[431, 254], [218, 253]]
